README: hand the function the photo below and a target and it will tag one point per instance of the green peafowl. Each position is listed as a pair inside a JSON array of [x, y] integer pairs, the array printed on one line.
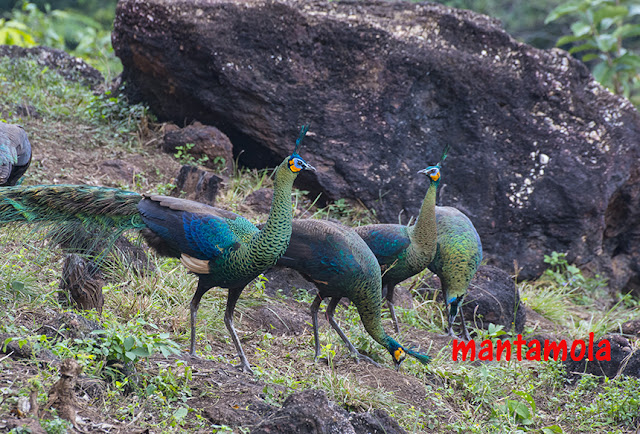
[[222, 248], [404, 251], [15, 153], [458, 256], [340, 264]]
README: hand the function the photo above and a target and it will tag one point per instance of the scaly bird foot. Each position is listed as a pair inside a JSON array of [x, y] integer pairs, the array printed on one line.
[[359, 356], [244, 368]]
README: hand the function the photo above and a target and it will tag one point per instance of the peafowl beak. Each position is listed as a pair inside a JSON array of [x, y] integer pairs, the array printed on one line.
[[433, 173], [308, 167]]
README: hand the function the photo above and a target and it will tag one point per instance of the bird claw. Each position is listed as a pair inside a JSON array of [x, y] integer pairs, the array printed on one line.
[[244, 368], [360, 356]]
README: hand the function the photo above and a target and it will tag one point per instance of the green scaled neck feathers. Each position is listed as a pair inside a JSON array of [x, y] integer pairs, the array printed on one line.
[[277, 231], [423, 233]]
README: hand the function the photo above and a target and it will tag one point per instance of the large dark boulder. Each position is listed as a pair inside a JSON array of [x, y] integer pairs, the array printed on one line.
[[493, 298], [543, 158], [624, 360]]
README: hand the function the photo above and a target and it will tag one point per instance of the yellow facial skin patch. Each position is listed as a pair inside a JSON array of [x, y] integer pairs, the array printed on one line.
[[292, 165], [399, 355]]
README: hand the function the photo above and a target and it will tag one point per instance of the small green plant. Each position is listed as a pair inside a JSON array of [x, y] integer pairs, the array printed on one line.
[[493, 332], [56, 425], [120, 344], [566, 275], [519, 412], [183, 154], [115, 111], [15, 33], [601, 33], [171, 385]]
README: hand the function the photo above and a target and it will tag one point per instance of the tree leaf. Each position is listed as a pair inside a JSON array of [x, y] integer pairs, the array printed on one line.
[[564, 9], [609, 11], [583, 47], [606, 42], [627, 31], [629, 59], [141, 352], [130, 356], [589, 57], [580, 28], [569, 39], [128, 343], [180, 413]]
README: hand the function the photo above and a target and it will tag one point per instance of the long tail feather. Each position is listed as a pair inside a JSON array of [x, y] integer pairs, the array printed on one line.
[[73, 213]]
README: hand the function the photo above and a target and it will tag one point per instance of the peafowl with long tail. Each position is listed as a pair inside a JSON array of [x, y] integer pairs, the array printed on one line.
[[458, 256], [15, 153], [222, 248], [404, 251], [340, 264]]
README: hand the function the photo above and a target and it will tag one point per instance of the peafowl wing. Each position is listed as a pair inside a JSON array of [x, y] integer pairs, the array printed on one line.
[[386, 241], [182, 227], [15, 153]]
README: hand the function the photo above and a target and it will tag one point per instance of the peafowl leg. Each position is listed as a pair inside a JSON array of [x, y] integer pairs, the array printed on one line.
[[465, 332], [392, 310], [195, 303], [331, 308], [234, 294], [451, 320], [314, 320]]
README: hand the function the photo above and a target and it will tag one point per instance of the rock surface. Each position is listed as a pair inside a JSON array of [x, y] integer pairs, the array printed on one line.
[[623, 360], [71, 68], [494, 298], [202, 142], [310, 411], [199, 185], [543, 158]]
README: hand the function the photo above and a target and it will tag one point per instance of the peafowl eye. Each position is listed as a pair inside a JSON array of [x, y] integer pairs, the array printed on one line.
[[296, 164], [433, 172]]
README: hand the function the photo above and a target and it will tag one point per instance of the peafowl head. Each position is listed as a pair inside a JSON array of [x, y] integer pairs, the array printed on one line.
[[433, 172], [399, 353], [454, 302], [294, 162]]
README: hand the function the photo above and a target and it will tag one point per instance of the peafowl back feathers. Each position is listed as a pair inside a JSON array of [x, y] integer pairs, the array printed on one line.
[[15, 153], [340, 264], [457, 259]]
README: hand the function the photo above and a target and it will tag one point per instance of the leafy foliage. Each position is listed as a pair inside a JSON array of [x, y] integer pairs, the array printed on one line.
[[522, 19], [601, 34], [68, 30]]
